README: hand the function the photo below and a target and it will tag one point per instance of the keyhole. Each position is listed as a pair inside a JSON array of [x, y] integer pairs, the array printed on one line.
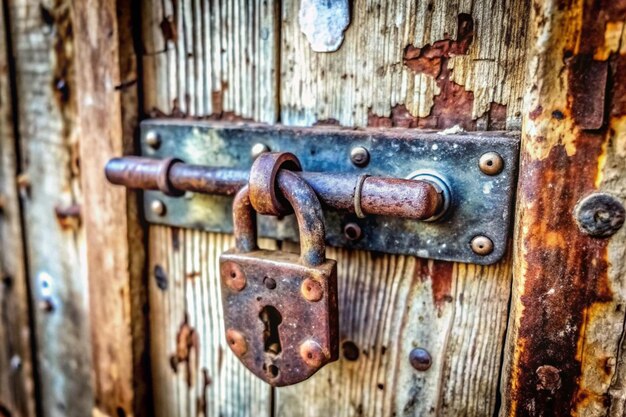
[[271, 318]]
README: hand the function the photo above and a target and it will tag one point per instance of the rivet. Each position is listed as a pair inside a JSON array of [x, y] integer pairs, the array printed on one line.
[[312, 354], [153, 139], [600, 214], [237, 342], [46, 305], [258, 149], [482, 245], [232, 276], [311, 290], [158, 207], [491, 163], [420, 359], [549, 378], [359, 156], [352, 231], [270, 283]]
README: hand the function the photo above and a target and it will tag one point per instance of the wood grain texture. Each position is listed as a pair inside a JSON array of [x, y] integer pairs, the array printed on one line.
[[194, 370], [564, 351], [218, 60], [107, 120], [50, 187], [17, 385], [214, 59], [368, 77]]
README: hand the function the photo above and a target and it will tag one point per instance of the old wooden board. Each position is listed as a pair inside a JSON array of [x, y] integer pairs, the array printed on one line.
[[17, 385], [42, 45], [215, 59], [383, 75], [565, 353]]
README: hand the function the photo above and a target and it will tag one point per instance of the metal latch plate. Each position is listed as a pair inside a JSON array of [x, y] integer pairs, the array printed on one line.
[[481, 204]]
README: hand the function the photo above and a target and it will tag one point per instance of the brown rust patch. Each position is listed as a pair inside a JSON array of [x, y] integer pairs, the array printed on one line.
[[187, 348], [440, 274], [587, 82]]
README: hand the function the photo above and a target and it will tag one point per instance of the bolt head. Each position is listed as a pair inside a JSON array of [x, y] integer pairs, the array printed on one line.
[[420, 359], [311, 290], [257, 149], [232, 276], [237, 342], [482, 245], [158, 207], [359, 156], [600, 215], [491, 163], [352, 231], [312, 354], [153, 139]]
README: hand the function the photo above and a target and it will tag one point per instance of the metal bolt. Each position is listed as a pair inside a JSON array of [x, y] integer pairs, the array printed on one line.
[[359, 156], [46, 305], [233, 276], [420, 359], [158, 207], [491, 163], [153, 139], [236, 341], [258, 149], [352, 231], [312, 354], [482, 245], [600, 214], [311, 290]]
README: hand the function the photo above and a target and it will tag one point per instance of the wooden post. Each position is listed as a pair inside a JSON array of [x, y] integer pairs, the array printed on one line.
[[563, 353], [106, 87]]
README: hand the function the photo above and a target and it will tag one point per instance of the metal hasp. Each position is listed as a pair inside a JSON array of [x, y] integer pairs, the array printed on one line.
[[478, 169]]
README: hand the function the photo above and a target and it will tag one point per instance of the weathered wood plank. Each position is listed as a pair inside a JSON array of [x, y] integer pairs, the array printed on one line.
[[564, 350], [219, 60], [194, 371], [43, 50], [411, 63], [17, 385], [107, 120]]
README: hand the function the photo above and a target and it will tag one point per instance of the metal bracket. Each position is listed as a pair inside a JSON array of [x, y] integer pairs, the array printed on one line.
[[475, 228]]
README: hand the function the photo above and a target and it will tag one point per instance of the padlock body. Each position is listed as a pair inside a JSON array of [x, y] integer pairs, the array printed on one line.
[[280, 316]]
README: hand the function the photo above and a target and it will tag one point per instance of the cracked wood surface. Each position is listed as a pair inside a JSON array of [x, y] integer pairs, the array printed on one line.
[[389, 304], [17, 385]]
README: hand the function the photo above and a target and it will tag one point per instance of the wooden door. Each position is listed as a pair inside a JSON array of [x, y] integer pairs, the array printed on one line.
[[537, 334]]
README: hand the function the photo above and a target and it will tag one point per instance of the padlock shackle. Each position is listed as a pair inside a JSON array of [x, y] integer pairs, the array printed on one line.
[[244, 222], [308, 211]]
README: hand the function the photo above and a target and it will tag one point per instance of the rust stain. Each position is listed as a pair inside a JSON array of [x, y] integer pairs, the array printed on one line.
[[168, 29], [68, 217], [440, 274], [454, 104], [187, 348], [202, 409]]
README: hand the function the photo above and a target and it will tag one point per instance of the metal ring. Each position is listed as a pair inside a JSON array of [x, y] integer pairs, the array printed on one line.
[[262, 182], [357, 196], [163, 178]]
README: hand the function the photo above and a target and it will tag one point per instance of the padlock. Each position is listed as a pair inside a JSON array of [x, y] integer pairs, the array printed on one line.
[[280, 309]]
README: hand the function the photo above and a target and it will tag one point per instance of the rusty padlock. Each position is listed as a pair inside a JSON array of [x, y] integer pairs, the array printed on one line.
[[280, 309]]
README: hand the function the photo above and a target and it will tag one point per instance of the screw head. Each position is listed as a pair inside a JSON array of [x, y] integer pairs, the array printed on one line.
[[491, 163], [600, 214], [312, 354], [232, 276], [482, 245], [352, 231], [158, 207], [420, 359], [311, 290], [257, 149], [153, 139], [237, 342], [359, 156]]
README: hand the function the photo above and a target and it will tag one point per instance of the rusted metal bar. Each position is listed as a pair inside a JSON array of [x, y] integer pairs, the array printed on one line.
[[411, 199]]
